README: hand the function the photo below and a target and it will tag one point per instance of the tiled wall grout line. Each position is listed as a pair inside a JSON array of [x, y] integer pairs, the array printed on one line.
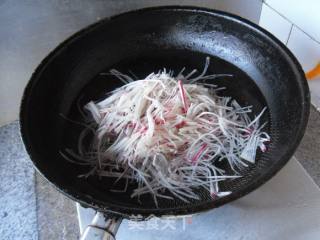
[[289, 34], [294, 25]]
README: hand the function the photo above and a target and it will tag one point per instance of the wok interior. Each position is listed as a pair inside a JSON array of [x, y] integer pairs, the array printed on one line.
[[143, 42]]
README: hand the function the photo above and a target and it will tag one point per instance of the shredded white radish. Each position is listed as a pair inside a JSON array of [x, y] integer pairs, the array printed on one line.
[[168, 134]]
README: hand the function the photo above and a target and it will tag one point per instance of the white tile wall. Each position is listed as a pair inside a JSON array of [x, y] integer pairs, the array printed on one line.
[[303, 46], [303, 13], [274, 23], [308, 53]]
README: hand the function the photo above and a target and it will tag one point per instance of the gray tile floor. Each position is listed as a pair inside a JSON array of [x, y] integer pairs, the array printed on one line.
[[308, 152], [56, 214], [18, 218], [30, 208]]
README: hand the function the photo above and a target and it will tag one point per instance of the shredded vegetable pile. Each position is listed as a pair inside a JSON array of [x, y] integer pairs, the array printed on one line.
[[169, 134]]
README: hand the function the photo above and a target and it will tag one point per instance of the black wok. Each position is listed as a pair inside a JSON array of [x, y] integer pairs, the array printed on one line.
[[265, 74]]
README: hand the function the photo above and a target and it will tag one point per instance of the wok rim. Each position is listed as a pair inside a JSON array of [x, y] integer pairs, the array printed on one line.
[[195, 208]]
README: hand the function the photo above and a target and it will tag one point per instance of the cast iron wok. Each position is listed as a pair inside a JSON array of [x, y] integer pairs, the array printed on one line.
[[265, 74]]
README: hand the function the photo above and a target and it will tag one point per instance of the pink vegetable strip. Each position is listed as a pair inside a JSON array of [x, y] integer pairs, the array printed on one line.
[[213, 195], [180, 125], [198, 154], [183, 96]]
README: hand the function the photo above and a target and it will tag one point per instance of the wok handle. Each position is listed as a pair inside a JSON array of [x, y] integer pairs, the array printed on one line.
[[101, 228]]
